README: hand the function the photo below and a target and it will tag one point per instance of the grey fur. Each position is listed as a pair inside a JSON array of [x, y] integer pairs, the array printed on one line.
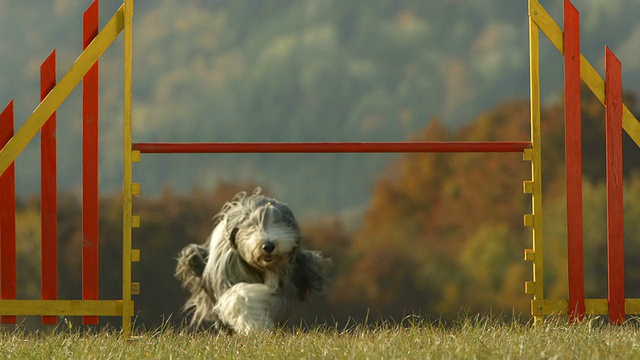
[[230, 260]]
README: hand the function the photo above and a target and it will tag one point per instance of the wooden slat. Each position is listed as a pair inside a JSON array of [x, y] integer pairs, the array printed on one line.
[[49, 191], [62, 307], [573, 161], [7, 218], [615, 216], [632, 306], [90, 242], [592, 307], [561, 307], [546, 307], [68, 82]]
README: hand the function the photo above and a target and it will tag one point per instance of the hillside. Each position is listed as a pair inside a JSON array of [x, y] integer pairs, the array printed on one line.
[[286, 70]]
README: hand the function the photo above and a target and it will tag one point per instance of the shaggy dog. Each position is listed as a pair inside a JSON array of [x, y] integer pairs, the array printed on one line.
[[252, 270]]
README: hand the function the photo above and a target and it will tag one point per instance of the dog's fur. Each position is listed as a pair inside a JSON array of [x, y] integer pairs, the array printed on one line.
[[252, 270]]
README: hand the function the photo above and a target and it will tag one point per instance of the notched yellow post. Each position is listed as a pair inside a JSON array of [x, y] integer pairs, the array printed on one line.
[[128, 288], [534, 155]]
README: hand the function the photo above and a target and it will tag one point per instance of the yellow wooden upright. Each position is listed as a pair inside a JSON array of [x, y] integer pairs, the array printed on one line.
[[127, 186], [534, 155]]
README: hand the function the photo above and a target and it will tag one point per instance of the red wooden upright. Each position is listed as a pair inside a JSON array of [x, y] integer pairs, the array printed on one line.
[[48, 182], [573, 161], [7, 218], [615, 217], [90, 167]]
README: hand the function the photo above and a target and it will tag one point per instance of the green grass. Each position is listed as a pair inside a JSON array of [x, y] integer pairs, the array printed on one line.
[[476, 337]]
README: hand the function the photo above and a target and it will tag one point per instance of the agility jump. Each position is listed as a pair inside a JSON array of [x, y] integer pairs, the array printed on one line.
[[84, 69], [618, 117]]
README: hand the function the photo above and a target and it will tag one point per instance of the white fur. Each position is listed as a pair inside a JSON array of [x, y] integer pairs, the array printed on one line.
[[247, 307]]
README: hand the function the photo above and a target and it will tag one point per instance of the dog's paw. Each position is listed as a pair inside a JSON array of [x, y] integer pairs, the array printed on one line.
[[259, 303], [248, 307]]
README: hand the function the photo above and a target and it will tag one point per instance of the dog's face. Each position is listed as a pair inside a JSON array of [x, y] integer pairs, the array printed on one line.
[[268, 235]]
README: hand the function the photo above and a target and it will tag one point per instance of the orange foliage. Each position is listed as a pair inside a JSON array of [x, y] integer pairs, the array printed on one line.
[[445, 231], [425, 210]]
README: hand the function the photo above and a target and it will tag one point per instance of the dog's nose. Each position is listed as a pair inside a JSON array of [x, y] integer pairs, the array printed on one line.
[[268, 246]]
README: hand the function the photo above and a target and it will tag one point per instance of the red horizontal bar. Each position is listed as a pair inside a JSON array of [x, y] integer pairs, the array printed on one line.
[[333, 147]]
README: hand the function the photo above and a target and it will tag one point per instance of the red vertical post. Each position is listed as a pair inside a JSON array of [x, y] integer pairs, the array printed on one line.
[[90, 167], [573, 161], [615, 217], [48, 185], [7, 217]]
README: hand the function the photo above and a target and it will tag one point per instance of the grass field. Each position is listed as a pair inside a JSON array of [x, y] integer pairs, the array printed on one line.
[[476, 337]]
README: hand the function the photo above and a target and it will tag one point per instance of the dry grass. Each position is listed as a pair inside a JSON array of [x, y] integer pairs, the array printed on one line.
[[469, 338]]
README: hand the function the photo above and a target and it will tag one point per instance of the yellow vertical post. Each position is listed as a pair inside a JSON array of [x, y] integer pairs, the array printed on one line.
[[127, 303], [534, 220]]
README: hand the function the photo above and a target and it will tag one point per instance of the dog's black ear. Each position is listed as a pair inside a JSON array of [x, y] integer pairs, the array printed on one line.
[[190, 266], [309, 274], [232, 238], [198, 260]]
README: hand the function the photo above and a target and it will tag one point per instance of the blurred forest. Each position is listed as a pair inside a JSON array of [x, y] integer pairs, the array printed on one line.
[[431, 233], [284, 70]]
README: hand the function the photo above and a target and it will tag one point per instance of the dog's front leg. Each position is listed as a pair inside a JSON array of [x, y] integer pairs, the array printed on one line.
[[247, 307]]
